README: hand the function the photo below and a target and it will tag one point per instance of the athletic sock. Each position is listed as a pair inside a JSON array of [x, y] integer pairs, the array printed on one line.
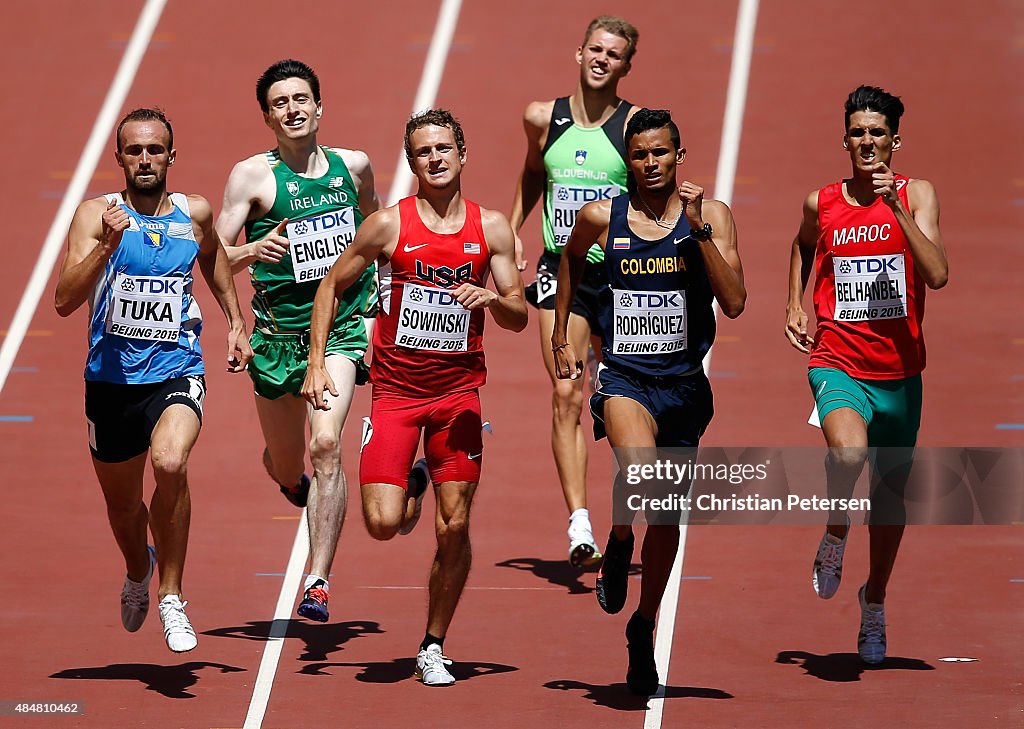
[[312, 580], [641, 620], [429, 640], [579, 514]]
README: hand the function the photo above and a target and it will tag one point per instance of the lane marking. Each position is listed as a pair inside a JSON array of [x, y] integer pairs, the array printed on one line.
[[104, 124], [275, 641], [430, 81], [1009, 426], [29, 332], [725, 178], [16, 418], [468, 587]]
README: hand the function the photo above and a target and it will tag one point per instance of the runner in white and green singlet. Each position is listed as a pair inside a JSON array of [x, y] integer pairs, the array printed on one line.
[[575, 155], [300, 205]]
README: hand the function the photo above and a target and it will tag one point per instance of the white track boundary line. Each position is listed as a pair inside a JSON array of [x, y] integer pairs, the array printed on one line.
[[275, 641], [430, 82], [725, 178], [101, 128]]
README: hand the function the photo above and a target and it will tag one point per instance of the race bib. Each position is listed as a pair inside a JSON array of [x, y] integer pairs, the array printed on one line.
[[649, 322], [314, 243], [146, 307], [566, 202], [547, 284], [870, 288], [432, 319]]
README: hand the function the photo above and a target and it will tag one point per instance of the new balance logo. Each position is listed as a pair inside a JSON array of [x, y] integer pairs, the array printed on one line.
[[409, 249], [563, 121], [336, 182]]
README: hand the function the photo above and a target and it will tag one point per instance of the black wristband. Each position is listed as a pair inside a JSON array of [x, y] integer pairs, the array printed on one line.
[[702, 234]]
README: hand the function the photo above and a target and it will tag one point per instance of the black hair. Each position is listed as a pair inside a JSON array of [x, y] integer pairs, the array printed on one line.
[[872, 98], [282, 70], [647, 119], [146, 114]]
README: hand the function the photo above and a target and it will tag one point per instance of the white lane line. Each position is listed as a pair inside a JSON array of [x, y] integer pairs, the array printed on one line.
[[725, 178], [101, 129], [430, 81], [282, 615], [468, 587]]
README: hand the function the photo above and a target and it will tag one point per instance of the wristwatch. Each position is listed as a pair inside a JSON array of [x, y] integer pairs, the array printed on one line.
[[702, 234]]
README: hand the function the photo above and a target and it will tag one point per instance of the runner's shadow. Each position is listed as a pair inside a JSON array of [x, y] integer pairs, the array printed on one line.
[[171, 681], [401, 669], [320, 639], [845, 667], [556, 571], [618, 696]]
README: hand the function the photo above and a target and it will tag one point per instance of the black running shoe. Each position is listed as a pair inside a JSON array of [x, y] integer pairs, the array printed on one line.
[[642, 674], [613, 577], [298, 494], [314, 603]]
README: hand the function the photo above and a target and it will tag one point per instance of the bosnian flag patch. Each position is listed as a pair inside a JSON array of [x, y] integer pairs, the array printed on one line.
[[471, 248], [620, 244]]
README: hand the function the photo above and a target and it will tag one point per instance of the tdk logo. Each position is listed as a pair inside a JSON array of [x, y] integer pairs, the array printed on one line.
[[158, 286], [649, 300], [582, 195], [436, 297], [324, 222], [870, 265]]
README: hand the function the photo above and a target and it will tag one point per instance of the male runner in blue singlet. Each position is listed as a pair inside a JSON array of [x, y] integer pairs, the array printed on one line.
[[130, 255], [668, 255]]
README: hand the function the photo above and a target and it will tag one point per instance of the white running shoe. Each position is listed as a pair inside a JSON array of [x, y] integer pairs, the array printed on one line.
[[828, 564], [583, 551], [178, 631], [431, 667], [135, 597], [419, 479], [871, 639]]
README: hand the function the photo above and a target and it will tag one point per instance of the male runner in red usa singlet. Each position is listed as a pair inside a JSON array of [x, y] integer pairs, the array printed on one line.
[[428, 357]]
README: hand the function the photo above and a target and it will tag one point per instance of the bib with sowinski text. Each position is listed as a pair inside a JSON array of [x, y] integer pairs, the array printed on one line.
[[431, 319]]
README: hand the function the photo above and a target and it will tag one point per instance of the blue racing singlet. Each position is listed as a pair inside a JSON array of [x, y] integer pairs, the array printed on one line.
[[657, 319], [143, 322]]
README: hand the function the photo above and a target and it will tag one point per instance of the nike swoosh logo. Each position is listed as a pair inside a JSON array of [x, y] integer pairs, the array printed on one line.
[[474, 456], [677, 241], [409, 249], [563, 121]]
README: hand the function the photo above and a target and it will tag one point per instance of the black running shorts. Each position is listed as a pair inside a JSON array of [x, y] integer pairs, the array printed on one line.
[[122, 417]]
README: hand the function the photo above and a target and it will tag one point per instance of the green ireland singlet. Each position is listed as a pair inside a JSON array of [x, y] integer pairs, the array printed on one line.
[[583, 165], [323, 215]]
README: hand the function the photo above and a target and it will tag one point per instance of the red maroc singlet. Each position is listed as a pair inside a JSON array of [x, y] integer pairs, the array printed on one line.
[[868, 296], [425, 343]]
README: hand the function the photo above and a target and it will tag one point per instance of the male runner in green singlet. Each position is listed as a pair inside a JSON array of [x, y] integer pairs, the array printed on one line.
[[575, 155], [300, 204]]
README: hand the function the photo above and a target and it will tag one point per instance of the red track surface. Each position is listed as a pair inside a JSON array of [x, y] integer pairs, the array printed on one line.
[[752, 647]]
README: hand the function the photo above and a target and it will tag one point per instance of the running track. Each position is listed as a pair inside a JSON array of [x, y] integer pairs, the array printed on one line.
[[752, 646]]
